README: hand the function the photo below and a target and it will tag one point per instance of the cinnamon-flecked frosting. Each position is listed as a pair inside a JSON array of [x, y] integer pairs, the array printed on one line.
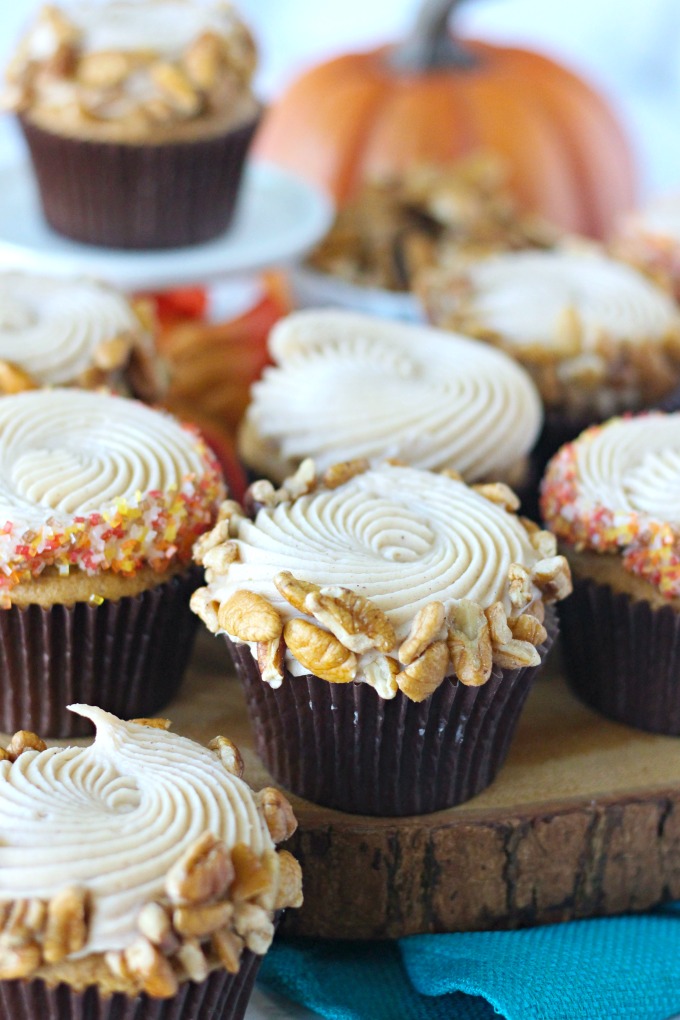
[[616, 489], [398, 537], [114, 817], [128, 70], [61, 332], [144, 857], [97, 482], [347, 386], [593, 331]]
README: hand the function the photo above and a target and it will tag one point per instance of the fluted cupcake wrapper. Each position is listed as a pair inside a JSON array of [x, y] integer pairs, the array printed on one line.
[[622, 656], [165, 195], [343, 746], [126, 656], [221, 996]]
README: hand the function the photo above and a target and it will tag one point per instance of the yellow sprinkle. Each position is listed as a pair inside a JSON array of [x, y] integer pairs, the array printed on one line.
[[95, 600]]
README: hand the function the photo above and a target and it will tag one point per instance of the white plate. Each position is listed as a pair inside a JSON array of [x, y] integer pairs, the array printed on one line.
[[313, 289], [279, 218]]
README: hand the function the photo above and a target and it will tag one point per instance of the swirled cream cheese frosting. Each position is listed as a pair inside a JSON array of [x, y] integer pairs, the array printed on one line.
[[132, 847], [616, 489], [57, 332], [592, 330], [378, 574], [347, 386], [124, 68], [98, 483]]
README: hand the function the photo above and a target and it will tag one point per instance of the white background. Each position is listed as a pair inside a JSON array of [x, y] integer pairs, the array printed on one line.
[[629, 48]]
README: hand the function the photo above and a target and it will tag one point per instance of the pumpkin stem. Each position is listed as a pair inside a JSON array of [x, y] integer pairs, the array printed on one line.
[[431, 46]]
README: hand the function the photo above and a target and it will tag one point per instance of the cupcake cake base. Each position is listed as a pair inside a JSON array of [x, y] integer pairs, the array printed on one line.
[[221, 995], [344, 747], [622, 656], [128, 656]]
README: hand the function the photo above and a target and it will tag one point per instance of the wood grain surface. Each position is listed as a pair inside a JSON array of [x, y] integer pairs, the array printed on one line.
[[583, 820]]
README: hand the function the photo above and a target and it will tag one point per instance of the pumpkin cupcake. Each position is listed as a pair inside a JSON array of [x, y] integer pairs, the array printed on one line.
[[138, 115], [73, 332], [387, 624], [349, 387], [101, 499], [612, 497], [597, 337], [139, 878]]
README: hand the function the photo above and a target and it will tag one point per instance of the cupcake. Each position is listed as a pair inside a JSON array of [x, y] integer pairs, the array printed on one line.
[[650, 239], [597, 337], [348, 387], [73, 332], [387, 624], [613, 499], [138, 115], [138, 876], [101, 499]]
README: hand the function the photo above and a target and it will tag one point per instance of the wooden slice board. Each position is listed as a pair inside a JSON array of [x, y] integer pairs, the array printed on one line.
[[583, 820]]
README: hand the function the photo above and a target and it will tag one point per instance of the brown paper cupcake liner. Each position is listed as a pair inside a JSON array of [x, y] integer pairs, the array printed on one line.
[[622, 657], [138, 196], [127, 657], [343, 746], [221, 996]]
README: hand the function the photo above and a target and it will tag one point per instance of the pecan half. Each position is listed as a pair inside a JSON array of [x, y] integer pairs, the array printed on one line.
[[356, 621], [320, 652], [293, 590], [270, 661], [381, 673], [24, 740], [426, 627], [424, 675], [469, 643], [527, 628], [249, 617]]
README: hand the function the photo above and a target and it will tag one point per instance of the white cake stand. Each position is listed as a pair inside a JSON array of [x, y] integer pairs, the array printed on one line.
[[278, 219]]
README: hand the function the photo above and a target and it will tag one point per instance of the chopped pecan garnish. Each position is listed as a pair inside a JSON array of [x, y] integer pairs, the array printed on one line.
[[249, 617], [278, 814], [24, 740], [520, 590], [339, 474], [66, 925], [356, 621], [553, 577], [289, 893], [424, 675], [426, 627], [229, 755], [270, 660], [320, 652], [500, 494], [527, 628], [293, 590], [151, 969], [469, 643], [201, 920], [252, 877], [204, 872]]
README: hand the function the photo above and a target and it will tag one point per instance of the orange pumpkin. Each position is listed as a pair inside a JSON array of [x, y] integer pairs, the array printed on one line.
[[434, 99]]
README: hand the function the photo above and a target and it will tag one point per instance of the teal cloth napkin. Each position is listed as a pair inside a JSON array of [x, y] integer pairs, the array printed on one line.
[[623, 968]]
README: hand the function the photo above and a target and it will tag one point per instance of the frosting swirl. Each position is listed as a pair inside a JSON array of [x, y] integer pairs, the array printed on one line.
[[521, 296], [349, 386], [397, 536], [617, 489], [54, 329], [100, 483], [115, 817]]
